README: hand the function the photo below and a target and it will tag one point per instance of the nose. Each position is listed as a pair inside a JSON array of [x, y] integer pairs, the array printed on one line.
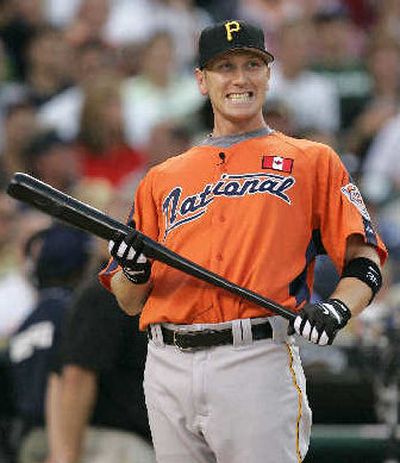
[[239, 76]]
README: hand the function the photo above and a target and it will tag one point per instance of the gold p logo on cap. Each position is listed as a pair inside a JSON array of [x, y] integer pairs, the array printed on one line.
[[231, 26]]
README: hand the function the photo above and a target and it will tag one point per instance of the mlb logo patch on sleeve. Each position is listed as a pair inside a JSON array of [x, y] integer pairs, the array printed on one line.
[[277, 163], [353, 194]]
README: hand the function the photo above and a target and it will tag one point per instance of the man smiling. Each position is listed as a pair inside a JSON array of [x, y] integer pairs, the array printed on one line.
[[223, 380], [233, 71]]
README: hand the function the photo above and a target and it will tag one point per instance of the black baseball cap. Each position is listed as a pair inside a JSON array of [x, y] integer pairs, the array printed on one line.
[[229, 36], [64, 252]]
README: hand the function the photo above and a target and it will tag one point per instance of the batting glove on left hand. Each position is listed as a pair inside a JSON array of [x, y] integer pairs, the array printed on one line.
[[127, 251], [319, 323]]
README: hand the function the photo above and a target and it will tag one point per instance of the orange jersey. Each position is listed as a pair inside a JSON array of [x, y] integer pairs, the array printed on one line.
[[256, 209]]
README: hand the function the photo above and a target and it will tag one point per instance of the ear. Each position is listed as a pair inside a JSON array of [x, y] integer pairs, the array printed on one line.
[[201, 81], [268, 77]]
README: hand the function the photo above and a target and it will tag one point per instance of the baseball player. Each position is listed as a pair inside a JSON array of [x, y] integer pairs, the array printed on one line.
[[223, 379]]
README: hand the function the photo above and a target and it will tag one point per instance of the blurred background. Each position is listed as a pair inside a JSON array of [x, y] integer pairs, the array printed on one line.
[[95, 92]]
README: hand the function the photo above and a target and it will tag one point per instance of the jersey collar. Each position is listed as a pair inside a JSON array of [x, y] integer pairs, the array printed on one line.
[[230, 140]]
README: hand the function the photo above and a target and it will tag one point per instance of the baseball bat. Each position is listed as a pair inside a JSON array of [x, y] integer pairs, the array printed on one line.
[[78, 214]]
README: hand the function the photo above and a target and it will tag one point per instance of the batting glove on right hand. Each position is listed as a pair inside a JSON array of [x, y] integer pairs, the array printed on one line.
[[319, 323], [127, 251]]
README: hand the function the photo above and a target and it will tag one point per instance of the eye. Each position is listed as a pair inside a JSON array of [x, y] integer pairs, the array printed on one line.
[[255, 64], [224, 66]]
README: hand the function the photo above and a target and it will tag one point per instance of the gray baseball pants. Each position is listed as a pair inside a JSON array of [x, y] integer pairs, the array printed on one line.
[[240, 403]]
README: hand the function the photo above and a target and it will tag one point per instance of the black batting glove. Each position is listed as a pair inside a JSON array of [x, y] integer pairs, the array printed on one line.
[[127, 251], [319, 323]]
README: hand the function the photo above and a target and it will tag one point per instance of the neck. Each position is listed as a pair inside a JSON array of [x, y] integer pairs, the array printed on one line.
[[223, 128]]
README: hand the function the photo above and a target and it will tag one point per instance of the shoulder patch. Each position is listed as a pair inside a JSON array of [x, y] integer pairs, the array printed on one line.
[[352, 193]]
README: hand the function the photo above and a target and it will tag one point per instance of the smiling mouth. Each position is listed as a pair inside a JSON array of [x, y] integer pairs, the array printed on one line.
[[242, 97]]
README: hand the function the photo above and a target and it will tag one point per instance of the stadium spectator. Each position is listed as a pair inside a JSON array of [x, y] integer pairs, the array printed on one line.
[[167, 139], [14, 286], [387, 18], [383, 64], [11, 92], [63, 111], [381, 173], [102, 147], [15, 283], [128, 58], [336, 56], [312, 99], [52, 160], [271, 16], [157, 94], [20, 124], [48, 65], [60, 257], [279, 117], [119, 30], [97, 412], [19, 24], [88, 23], [182, 19]]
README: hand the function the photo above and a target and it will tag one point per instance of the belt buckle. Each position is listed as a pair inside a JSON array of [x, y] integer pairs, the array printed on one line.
[[175, 340]]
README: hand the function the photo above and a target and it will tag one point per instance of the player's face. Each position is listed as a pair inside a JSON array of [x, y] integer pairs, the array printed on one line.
[[236, 84]]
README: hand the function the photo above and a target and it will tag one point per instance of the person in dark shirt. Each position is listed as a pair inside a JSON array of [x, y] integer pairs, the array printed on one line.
[[97, 410], [58, 256]]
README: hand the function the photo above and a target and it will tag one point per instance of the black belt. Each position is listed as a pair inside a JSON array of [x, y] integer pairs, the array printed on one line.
[[187, 340]]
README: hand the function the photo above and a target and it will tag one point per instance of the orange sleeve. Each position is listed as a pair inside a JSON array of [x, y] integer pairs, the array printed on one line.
[[144, 214], [341, 210], [145, 210]]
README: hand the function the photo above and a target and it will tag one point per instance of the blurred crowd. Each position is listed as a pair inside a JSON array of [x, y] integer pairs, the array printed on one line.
[[95, 92]]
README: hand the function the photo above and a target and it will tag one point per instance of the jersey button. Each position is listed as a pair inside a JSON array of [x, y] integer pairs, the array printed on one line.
[[219, 257], [222, 219]]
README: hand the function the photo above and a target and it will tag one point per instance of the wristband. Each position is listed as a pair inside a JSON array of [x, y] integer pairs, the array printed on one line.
[[367, 271]]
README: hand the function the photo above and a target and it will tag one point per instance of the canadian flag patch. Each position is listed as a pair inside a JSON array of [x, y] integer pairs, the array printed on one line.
[[277, 163]]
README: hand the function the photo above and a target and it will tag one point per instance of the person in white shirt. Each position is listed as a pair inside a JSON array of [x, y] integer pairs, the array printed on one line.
[[381, 172], [157, 94], [311, 98]]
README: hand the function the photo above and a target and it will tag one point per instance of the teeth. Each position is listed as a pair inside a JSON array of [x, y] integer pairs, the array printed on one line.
[[239, 96]]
